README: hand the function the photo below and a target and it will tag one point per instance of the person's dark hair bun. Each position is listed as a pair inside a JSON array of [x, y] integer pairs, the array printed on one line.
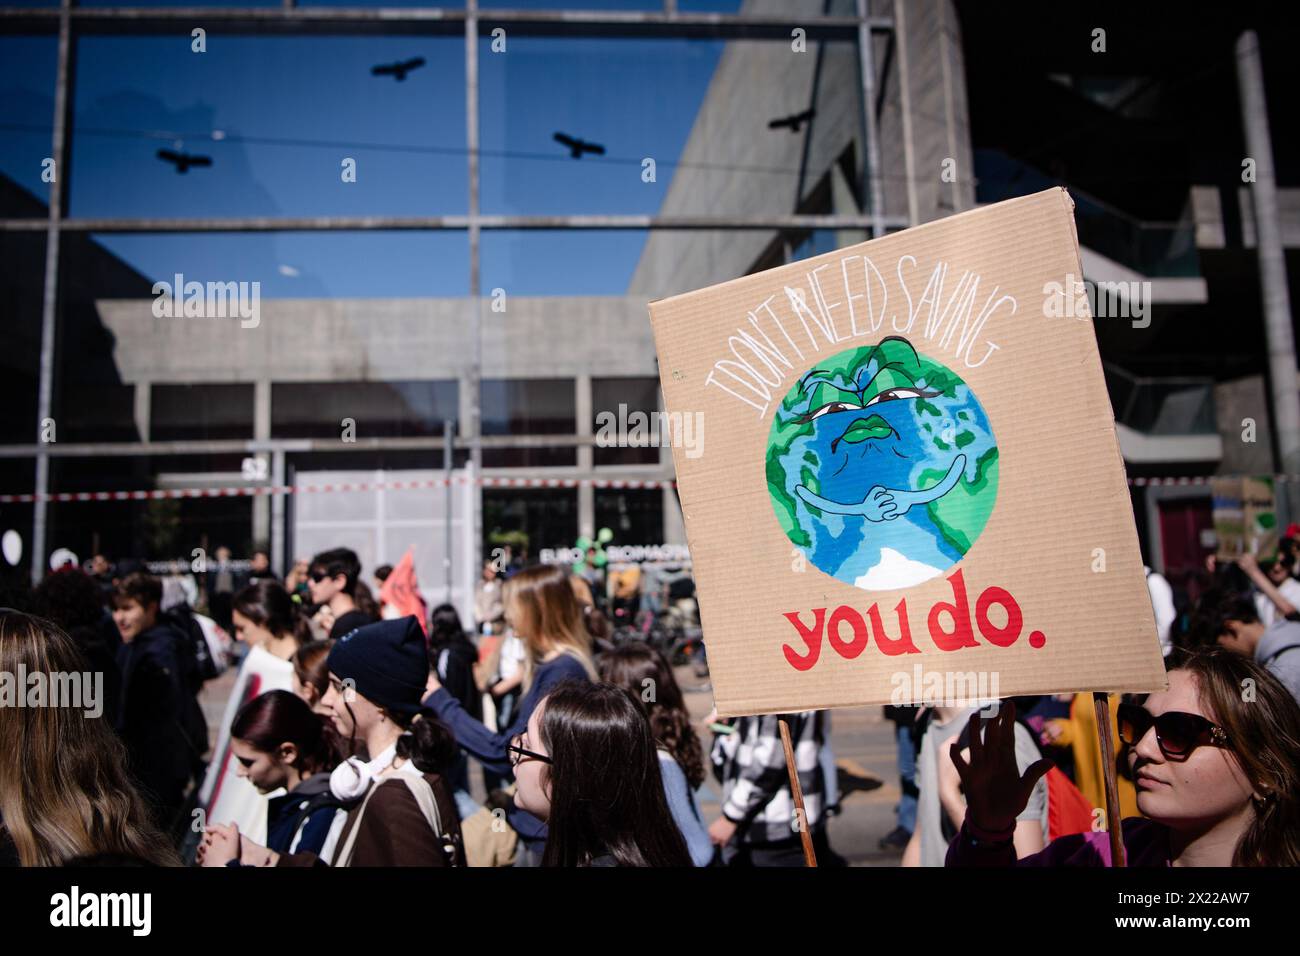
[[428, 743]]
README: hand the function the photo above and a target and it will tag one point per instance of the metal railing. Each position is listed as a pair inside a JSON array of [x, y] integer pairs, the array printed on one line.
[[1157, 249], [1174, 405]]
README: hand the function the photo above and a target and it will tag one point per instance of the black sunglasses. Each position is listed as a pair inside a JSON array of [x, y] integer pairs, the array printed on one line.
[[1177, 733], [518, 753], [318, 575]]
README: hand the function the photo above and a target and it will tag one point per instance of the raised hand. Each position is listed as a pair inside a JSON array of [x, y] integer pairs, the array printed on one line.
[[996, 793]]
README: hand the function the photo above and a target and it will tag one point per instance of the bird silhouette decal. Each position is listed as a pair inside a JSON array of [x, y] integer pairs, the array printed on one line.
[[579, 146], [794, 121], [183, 161], [398, 70]]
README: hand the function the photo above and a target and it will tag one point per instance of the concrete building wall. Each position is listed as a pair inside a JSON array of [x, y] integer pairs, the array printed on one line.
[[922, 122], [924, 118], [754, 80], [1234, 403], [319, 340]]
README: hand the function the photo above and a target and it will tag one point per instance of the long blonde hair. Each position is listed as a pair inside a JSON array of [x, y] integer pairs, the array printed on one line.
[[64, 792], [546, 616]]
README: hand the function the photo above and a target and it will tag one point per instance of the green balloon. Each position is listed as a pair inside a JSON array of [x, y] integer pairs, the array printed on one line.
[[604, 536], [583, 542], [600, 560]]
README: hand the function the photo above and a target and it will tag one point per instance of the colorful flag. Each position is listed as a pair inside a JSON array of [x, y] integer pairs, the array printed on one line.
[[402, 592]]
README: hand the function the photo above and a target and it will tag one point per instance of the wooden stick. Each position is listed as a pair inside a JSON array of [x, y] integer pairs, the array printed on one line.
[[809, 857], [1101, 706]]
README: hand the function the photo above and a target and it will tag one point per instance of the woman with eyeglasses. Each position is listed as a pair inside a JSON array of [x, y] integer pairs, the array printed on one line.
[[542, 609], [588, 765], [64, 789], [1218, 777]]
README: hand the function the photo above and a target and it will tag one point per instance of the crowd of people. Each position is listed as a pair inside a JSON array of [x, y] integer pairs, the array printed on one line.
[[1205, 771], [353, 735]]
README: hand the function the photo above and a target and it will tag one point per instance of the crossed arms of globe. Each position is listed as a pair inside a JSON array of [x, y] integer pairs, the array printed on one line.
[[886, 504]]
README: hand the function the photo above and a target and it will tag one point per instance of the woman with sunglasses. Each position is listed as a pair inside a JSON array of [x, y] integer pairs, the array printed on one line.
[[1218, 778], [588, 765]]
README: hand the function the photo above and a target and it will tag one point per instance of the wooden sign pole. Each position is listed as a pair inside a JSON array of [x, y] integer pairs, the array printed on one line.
[[805, 835], [1101, 707]]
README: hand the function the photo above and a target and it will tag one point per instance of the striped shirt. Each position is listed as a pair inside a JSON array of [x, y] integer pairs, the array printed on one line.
[[750, 764]]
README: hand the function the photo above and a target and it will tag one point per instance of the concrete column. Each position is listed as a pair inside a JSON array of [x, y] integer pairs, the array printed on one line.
[[143, 404], [280, 562], [465, 402], [875, 175], [905, 108], [262, 432], [586, 455], [674, 523], [1272, 266]]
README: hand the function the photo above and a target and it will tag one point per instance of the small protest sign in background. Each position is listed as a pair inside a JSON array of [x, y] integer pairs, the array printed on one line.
[[1245, 517]]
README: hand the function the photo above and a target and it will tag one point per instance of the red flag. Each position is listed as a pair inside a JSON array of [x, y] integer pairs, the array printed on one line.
[[402, 591]]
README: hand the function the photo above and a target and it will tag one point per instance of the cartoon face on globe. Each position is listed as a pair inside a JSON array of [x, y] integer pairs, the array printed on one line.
[[882, 466]]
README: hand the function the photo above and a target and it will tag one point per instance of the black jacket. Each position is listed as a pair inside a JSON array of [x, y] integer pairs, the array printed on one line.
[[158, 717], [455, 664]]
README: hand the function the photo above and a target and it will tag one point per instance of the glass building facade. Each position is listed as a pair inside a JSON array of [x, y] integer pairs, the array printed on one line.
[[436, 231], [252, 247]]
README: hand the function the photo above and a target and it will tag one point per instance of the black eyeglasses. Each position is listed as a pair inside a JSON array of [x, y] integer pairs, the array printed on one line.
[[318, 576], [518, 753], [1177, 733]]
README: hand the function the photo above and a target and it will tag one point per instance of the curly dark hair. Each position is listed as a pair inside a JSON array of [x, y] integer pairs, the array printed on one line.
[[644, 674], [70, 598]]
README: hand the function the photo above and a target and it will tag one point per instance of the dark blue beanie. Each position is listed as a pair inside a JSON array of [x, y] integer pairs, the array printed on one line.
[[387, 663]]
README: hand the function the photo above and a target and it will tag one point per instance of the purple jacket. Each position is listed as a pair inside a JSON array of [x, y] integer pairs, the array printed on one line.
[[1146, 843]]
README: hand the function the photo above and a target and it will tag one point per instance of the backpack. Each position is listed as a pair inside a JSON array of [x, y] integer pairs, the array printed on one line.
[[204, 666], [425, 799], [197, 666]]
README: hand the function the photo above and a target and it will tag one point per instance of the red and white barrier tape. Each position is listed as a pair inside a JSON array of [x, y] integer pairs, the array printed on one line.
[[1206, 479], [260, 490]]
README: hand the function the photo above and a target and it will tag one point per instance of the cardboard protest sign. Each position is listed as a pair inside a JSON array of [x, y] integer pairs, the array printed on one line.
[[226, 797], [1245, 517], [911, 483]]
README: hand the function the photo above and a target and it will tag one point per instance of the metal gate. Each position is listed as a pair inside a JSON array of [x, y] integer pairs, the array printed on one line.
[[379, 514]]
